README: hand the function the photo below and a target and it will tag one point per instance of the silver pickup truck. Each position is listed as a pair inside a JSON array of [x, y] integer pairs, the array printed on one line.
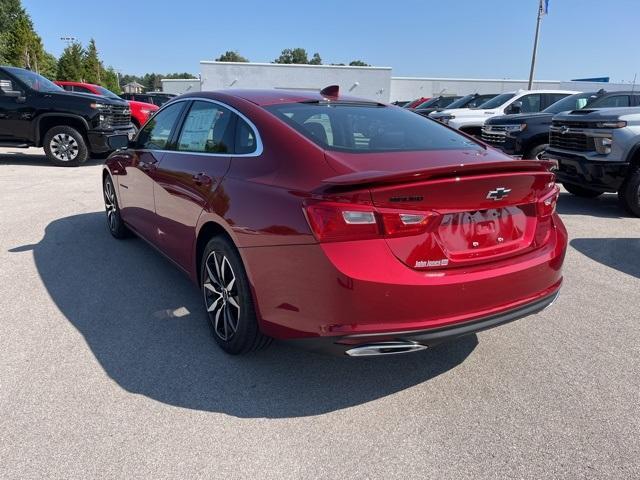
[[598, 150]]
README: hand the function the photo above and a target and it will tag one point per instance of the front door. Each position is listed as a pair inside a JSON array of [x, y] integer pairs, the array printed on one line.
[[136, 185], [189, 177]]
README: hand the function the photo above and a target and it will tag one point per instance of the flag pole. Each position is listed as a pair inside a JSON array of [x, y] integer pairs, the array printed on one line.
[[535, 46]]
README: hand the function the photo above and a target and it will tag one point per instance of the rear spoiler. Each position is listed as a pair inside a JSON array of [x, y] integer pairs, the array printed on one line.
[[376, 176]]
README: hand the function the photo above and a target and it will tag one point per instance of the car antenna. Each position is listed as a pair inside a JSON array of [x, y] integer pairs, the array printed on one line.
[[330, 91], [633, 86]]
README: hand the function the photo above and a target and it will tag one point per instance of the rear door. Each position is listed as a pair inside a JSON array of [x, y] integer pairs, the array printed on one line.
[[136, 186], [188, 178]]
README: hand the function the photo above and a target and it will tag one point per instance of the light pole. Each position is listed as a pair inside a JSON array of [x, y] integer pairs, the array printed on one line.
[[543, 8], [69, 40]]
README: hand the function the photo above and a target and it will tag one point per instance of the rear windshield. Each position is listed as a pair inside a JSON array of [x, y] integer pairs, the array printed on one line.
[[355, 128]]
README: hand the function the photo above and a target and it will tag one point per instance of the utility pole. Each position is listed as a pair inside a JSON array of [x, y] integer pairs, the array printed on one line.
[[542, 10]]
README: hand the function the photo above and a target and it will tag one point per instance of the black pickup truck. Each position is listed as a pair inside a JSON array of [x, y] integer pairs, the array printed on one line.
[[35, 112], [527, 134]]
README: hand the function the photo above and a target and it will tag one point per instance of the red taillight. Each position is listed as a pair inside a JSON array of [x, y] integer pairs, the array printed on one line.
[[333, 222], [405, 223], [547, 205]]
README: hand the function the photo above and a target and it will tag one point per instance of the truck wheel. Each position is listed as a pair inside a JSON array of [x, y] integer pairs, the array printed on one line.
[[65, 146], [536, 152], [629, 194], [581, 191]]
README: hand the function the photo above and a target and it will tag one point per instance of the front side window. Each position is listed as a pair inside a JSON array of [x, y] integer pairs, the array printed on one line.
[[156, 133], [530, 103], [206, 129], [78, 88], [366, 128]]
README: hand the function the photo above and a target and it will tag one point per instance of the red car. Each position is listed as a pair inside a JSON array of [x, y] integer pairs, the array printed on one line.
[[140, 111], [416, 102], [342, 223]]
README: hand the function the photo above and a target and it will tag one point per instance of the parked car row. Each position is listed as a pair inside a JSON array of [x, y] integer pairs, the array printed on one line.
[[594, 137], [70, 120], [140, 111]]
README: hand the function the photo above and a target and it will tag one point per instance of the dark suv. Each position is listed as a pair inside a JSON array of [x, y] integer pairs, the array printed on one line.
[[527, 134], [35, 112]]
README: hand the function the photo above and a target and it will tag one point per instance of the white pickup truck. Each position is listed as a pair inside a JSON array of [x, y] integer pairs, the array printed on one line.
[[470, 120]]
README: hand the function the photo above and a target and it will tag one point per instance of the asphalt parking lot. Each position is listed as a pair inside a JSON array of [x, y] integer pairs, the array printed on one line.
[[108, 370]]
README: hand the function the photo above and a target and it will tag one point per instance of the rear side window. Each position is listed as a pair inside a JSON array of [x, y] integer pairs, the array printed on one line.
[[245, 141], [612, 101], [355, 127], [156, 133], [206, 129]]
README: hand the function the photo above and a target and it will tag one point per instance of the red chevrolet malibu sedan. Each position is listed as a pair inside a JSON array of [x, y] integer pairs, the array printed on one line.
[[340, 223]]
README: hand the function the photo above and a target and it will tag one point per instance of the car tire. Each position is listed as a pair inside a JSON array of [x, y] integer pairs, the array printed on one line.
[[629, 194], [536, 152], [116, 226], [579, 191], [228, 299], [65, 146]]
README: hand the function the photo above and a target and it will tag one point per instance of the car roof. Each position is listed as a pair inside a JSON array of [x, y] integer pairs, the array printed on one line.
[[275, 96]]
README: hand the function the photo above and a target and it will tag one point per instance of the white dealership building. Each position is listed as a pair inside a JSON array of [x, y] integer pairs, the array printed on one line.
[[374, 83]]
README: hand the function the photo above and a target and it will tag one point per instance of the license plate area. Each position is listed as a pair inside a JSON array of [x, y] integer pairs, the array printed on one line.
[[486, 233]]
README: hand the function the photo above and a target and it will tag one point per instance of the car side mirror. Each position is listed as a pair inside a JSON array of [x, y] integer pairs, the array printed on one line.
[[515, 107], [118, 142], [6, 89]]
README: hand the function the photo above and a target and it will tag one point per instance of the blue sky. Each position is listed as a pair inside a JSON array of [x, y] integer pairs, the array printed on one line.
[[450, 38]]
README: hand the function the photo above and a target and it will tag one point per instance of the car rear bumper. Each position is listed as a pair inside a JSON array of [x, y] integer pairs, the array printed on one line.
[[578, 170], [351, 289], [414, 340]]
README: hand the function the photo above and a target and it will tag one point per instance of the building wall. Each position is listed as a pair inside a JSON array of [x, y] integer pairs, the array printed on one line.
[[180, 85], [373, 83], [408, 88]]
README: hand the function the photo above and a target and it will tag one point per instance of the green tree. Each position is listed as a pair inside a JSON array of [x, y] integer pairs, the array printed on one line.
[[10, 11], [91, 64], [48, 66], [358, 63], [231, 56], [316, 60], [178, 75], [71, 63], [296, 55], [110, 80], [20, 45]]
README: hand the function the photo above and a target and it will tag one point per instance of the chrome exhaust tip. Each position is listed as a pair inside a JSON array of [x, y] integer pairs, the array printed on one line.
[[384, 348]]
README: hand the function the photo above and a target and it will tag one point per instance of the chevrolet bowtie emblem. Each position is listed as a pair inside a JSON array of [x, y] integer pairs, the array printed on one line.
[[498, 194]]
